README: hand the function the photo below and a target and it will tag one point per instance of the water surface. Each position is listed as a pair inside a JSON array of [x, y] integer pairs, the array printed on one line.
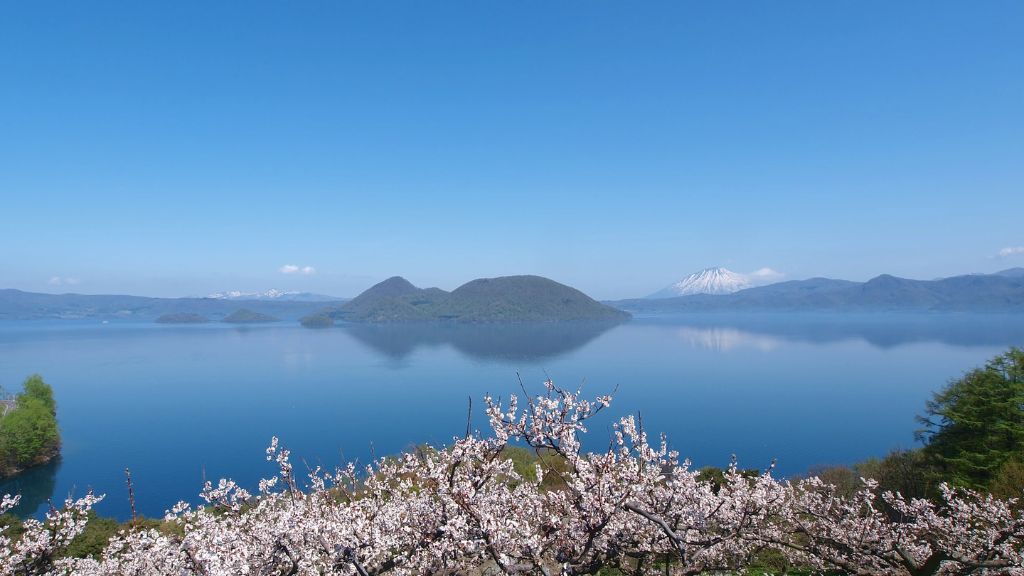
[[177, 404]]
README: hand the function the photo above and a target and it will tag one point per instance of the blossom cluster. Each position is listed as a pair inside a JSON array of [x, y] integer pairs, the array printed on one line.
[[464, 508]]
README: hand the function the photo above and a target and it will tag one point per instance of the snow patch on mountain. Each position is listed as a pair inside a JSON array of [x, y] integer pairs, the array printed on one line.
[[717, 281], [272, 294]]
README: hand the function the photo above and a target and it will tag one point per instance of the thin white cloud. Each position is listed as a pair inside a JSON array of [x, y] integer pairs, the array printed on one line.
[[1011, 251], [62, 281], [765, 276], [295, 269]]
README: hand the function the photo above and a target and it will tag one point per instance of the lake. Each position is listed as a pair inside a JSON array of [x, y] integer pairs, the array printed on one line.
[[177, 404]]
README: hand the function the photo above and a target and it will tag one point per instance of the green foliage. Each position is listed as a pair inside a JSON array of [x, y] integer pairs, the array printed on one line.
[[13, 527], [1009, 481], [29, 433], [908, 472], [36, 389], [716, 475], [525, 460], [712, 474], [905, 471], [98, 532], [976, 424], [770, 561], [93, 540], [845, 478]]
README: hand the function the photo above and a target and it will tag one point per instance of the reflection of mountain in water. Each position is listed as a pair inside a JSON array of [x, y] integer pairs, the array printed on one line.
[[726, 331], [722, 339], [36, 487], [482, 341]]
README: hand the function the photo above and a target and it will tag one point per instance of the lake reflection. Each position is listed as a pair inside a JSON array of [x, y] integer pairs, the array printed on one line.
[[180, 404], [529, 342], [882, 330], [36, 487]]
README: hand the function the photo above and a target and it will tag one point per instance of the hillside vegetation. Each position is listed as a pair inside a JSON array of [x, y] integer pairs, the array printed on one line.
[[28, 428], [486, 300]]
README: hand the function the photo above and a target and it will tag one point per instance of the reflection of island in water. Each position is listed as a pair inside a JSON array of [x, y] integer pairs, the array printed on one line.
[[539, 341], [765, 331], [36, 487]]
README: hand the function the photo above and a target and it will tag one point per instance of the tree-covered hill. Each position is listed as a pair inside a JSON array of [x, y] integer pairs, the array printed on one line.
[[485, 300]]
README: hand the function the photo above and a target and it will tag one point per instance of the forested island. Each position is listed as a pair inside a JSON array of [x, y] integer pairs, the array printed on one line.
[[182, 318], [28, 428], [485, 300], [245, 316]]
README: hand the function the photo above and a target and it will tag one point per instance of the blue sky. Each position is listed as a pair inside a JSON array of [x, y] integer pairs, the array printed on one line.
[[184, 148]]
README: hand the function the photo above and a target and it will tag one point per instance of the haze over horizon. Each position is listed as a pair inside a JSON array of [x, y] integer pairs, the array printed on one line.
[[324, 147]]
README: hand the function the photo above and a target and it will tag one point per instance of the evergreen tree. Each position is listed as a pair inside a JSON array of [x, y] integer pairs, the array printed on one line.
[[976, 424]]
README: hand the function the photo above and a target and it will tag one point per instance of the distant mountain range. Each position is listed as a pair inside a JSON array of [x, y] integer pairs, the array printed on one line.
[[510, 299], [485, 300], [537, 299], [275, 295], [19, 305], [999, 292]]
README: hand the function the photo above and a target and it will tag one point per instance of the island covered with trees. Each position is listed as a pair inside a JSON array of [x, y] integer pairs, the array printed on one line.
[[28, 428], [245, 316], [484, 300], [182, 318], [525, 498]]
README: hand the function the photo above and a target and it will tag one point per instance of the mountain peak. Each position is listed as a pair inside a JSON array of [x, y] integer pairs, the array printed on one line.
[[392, 287], [1011, 273], [708, 281]]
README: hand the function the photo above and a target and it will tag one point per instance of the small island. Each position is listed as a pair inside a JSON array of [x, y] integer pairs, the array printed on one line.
[[182, 318], [244, 316], [28, 428], [319, 320], [507, 299]]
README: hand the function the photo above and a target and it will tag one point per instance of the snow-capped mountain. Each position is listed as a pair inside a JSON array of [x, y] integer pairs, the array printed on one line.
[[707, 281], [272, 294]]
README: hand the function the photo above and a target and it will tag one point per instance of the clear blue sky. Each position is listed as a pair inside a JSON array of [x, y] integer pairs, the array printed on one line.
[[173, 148]]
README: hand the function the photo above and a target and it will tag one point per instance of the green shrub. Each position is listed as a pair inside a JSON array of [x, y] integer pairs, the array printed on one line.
[[909, 472], [93, 540], [1009, 481], [29, 433]]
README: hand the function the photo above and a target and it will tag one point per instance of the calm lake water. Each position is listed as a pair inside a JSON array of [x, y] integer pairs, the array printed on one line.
[[177, 404]]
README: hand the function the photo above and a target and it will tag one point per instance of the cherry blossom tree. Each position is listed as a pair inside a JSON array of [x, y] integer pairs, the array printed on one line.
[[464, 509]]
